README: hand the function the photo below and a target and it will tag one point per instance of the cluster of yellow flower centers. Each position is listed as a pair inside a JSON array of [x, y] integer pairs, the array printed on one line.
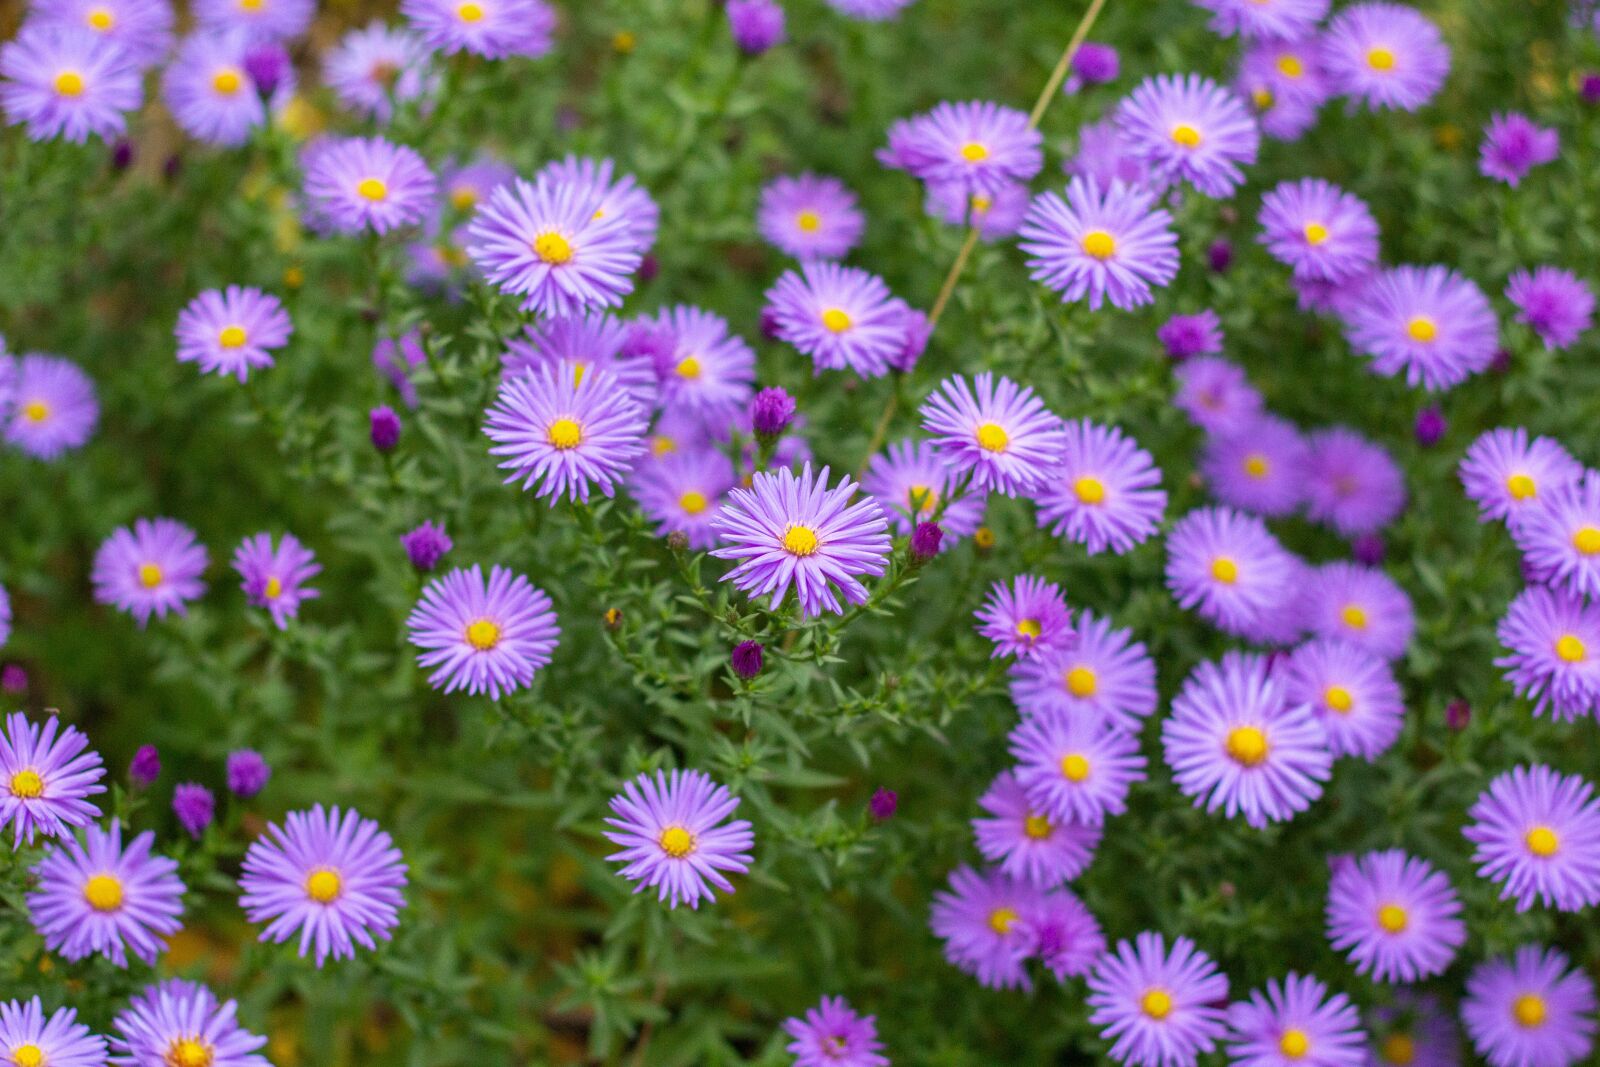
[[69, 83], [1289, 65], [100, 18], [1186, 135], [1521, 487], [26, 784], [837, 320], [1099, 244], [1001, 920], [688, 367], [1081, 682], [1380, 59], [676, 842], [553, 248], [800, 541], [1029, 628], [992, 437], [1246, 745], [188, 1052], [1339, 699], [1036, 827], [693, 502], [1542, 841], [1570, 648], [483, 634], [1294, 1043], [808, 221], [1392, 918], [973, 152], [1316, 233], [374, 189], [1256, 465], [1156, 1003], [232, 337], [1399, 1049], [1353, 616], [150, 575], [28, 1056], [1528, 1010], [227, 80], [1422, 329], [1089, 490], [1074, 767], [324, 886], [103, 892], [564, 434], [470, 12], [1586, 540], [1225, 570]]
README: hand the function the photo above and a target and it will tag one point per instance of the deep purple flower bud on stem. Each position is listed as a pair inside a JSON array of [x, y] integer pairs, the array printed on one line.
[[747, 659], [146, 766], [883, 804], [385, 429]]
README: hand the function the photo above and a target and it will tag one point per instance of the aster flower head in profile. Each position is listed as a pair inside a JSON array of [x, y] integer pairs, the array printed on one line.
[[810, 216], [1555, 303], [1158, 1005], [842, 317], [1505, 471], [1184, 336], [67, 82], [1429, 325], [1396, 917], [564, 436], [47, 773], [1553, 637], [1537, 834], [96, 897], [1385, 55], [1216, 394], [366, 184], [1560, 536], [683, 492], [833, 1034], [232, 331], [35, 1039], [1352, 484], [376, 67], [1228, 568], [150, 568], [675, 836], [978, 146], [1100, 243], [274, 576], [494, 29], [985, 922], [913, 484], [1259, 468], [1103, 675], [1318, 230], [1297, 1022], [142, 28], [1104, 493], [1283, 20], [704, 368], [995, 431], [1531, 1009], [1352, 692], [1513, 145], [182, 1024], [211, 94], [1027, 843], [1024, 616], [1187, 128], [483, 636], [794, 530]]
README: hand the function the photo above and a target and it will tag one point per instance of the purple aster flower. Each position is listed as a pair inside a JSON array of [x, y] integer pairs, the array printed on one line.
[[332, 878], [1554, 640], [673, 836], [869, 10], [746, 659], [1532, 1010], [839, 316], [683, 492], [566, 436], [1216, 395], [383, 427], [1385, 55], [1024, 617], [620, 196], [1427, 324], [1158, 1007], [1296, 1023], [793, 529], [5, 615], [232, 331], [1189, 128], [1352, 484], [1556, 303], [376, 67], [997, 433], [1067, 937], [1395, 916], [426, 545], [1191, 335], [483, 637], [1319, 230], [357, 184], [1105, 491], [1104, 675], [1560, 536], [1261, 467], [1076, 768], [268, 20], [1415, 1031], [494, 29], [1107, 155], [466, 185], [210, 91], [97, 897], [397, 359], [979, 146], [984, 922], [1028, 844], [591, 340], [274, 576], [1093, 63], [44, 778], [810, 217], [833, 1035], [1100, 243], [1513, 145], [67, 82], [178, 1023], [33, 1039], [1353, 693], [143, 28], [152, 568], [995, 215], [145, 767], [1237, 744], [914, 484], [1358, 604], [1538, 834], [756, 25], [704, 369], [1225, 566], [771, 412], [195, 807], [248, 773], [1272, 19], [551, 243]]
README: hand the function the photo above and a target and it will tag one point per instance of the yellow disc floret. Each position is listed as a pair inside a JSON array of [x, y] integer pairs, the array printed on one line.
[[103, 892], [992, 437], [1099, 244], [676, 842], [1081, 682], [1156, 1003], [483, 634], [324, 886], [26, 784], [1074, 767], [553, 248], [1247, 745], [800, 541]]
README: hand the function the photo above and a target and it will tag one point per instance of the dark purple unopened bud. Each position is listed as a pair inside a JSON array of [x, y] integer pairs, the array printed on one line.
[[1501, 361], [883, 803], [13, 679], [1220, 256], [247, 772], [1457, 714], [385, 429], [122, 154], [146, 766], [568, 119], [770, 326], [267, 63], [649, 267], [1096, 63], [747, 658], [1368, 549], [771, 412], [1430, 426], [425, 545], [194, 806], [925, 540], [757, 25], [1589, 88]]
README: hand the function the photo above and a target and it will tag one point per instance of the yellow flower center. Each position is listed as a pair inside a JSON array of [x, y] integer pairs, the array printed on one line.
[[232, 337], [662, 445], [836, 320], [1290, 66], [1528, 1010], [1099, 244], [1089, 490], [1521, 487], [973, 152], [800, 541], [483, 634], [463, 198], [251, 5], [1294, 1043], [688, 367], [1037, 827], [1247, 745], [36, 411], [274, 588], [564, 434], [1186, 135], [983, 537], [693, 502], [1422, 329], [27, 784], [553, 248], [1392, 918], [1542, 841], [1399, 1049], [1353, 616], [1380, 59], [103, 892], [227, 81], [324, 886], [1262, 98], [981, 204], [28, 1056], [1001, 920], [676, 842], [923, 498], [1225, 570], [1570, 648], [1081, 682], [1074, 767], [100, 18], [808, 221], [372, 189], [69, 83], [1587, 540], [992, 437], [1029, 628], [1156, 1003], [470, 12], [1255, 465], [149, 575], [1338, 698], [188, 1052], [1316, 233]]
